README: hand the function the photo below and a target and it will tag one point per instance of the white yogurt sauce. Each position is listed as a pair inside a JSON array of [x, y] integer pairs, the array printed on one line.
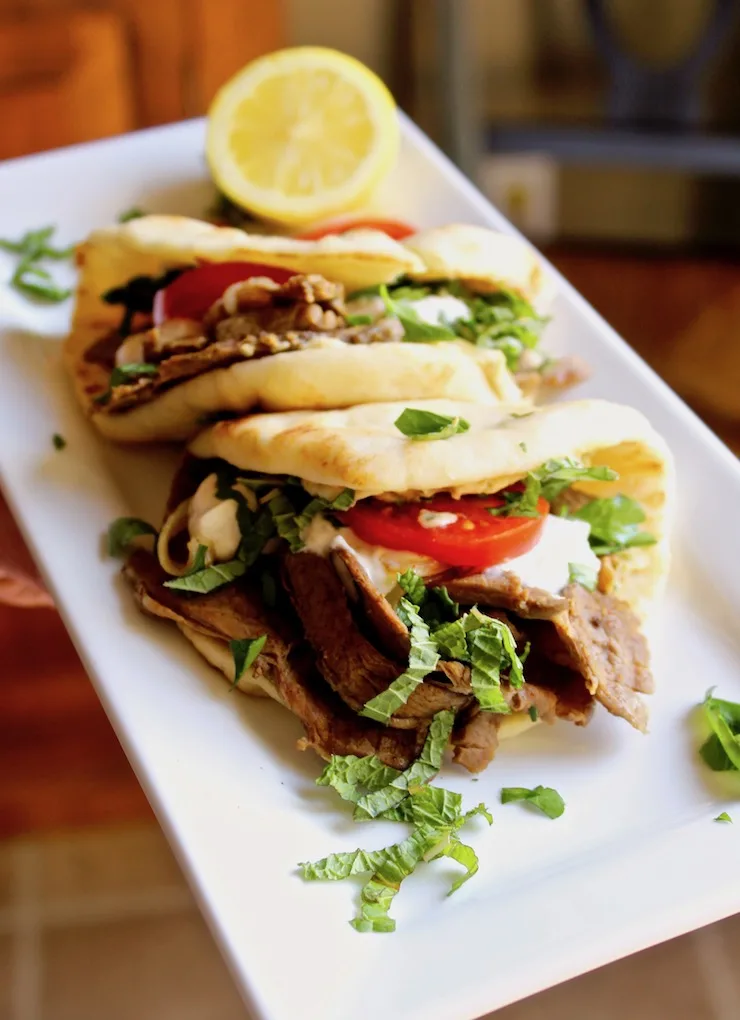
[[546, 565], [380, 564], [212, 522], [442, 310]]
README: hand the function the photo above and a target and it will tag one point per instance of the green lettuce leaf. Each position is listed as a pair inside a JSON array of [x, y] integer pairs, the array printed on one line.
[[412, 586], [291, 523], [721, 751], [414, 327], [423, 658], [556, 475], [424, 425], [123, 531], [502, 321], [465, 855], [244, 651], [209, 579], [487, 653], [614, 524], [545, 798], [548, 481]]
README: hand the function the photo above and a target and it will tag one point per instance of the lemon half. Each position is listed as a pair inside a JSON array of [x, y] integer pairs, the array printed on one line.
[[302, 134]]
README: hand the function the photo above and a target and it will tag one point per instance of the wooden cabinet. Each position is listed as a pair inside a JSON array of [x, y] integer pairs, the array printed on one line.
[[70, 73]]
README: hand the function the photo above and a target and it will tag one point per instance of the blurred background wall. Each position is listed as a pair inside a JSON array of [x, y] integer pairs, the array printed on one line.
[[77, 69]]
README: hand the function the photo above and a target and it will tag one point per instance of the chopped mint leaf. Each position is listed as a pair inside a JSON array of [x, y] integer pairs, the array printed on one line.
[[244, 651], [423, 659], [519, 502], [556, 475], [724, 817], [359, 320], [123, 531], [354, 777], [533, 713], [547, 482], [204, 581], [425, 425], [380, 801], [29, 278], [59, 441], [414, 327], [413, 586], [578, 573], [489, 646], [435, 814], [523, 447], [545, 798], [134, 213], [435, 604], [123, 374]]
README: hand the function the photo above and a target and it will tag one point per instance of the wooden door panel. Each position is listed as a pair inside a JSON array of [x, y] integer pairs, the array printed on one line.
[[64, 78]]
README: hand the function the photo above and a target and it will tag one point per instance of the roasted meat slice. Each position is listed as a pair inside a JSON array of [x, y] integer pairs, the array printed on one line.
[[350, 663], [390, 634], [504, 591], [236, 611]]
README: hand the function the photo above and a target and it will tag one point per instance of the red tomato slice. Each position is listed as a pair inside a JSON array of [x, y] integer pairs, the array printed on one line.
[[192, 294], [476, 539], [393, 228]]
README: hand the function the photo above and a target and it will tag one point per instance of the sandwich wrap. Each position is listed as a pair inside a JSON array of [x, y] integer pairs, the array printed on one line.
[[301, 350], [335, 646]]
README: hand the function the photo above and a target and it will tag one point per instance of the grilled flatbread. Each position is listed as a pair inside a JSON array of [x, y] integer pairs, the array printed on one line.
[[361, 448], [325, 373]]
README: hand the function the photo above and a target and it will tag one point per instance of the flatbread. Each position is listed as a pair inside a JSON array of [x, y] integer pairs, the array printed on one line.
[[361, 448], [484, 259], [329, 375]]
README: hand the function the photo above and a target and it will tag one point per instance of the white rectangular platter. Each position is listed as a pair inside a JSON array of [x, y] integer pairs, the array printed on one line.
[[635, 859]]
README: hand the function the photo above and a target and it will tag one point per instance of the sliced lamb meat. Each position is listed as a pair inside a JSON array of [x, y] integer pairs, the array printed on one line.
[[333, 728], [237, 612], [351, 665], [601, 639], [391, 635], [232, 612], [558, 375], [475, 741], [505, 591]]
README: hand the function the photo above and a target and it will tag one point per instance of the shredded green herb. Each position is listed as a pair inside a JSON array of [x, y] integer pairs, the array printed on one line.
[[29, 277]]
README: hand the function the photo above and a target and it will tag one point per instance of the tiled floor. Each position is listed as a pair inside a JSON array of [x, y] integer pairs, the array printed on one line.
[[99, 925]]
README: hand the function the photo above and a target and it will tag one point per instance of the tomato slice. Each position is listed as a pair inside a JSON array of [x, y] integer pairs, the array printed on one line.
[[393, 228], [192, 294], [475, 539]]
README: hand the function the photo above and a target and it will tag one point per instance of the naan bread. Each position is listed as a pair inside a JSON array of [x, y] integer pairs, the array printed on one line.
[[484, 259], [361, 448], [329, 375]]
